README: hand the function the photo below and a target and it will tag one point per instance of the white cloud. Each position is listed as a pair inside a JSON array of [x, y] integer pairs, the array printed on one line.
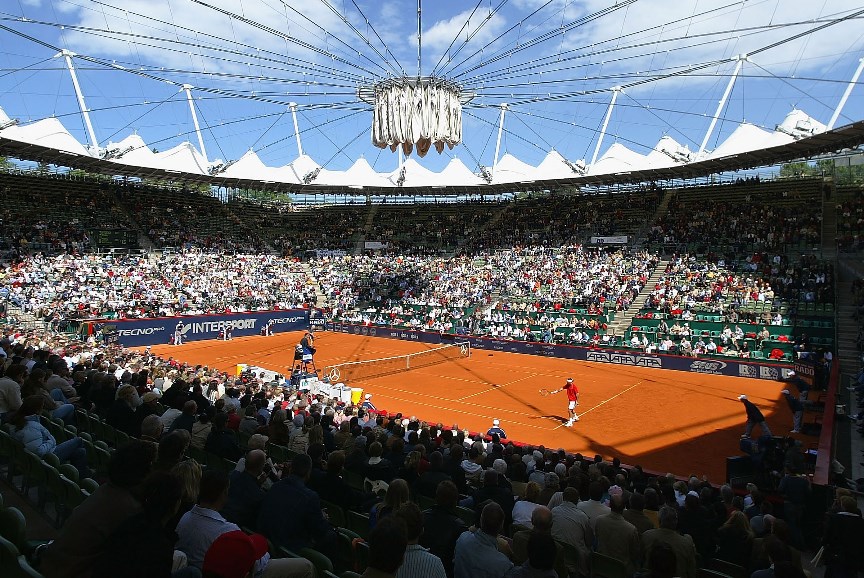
[[195, 17], [647, 21], [478, 31]]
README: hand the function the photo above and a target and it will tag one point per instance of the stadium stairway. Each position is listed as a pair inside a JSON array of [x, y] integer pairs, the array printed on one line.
[[848, 355], [624, 319], [367, 228], [829, 227], [659, 213], [847, 325], [144, 241], [320, 298]]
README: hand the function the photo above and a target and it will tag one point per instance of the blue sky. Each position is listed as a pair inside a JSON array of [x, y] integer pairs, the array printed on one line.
[[555, 61]]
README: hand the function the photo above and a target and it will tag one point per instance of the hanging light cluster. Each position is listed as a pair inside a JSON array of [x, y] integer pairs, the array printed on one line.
[[416, 112]]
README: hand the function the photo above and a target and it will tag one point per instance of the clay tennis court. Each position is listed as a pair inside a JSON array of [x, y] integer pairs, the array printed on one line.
[[663, 420]]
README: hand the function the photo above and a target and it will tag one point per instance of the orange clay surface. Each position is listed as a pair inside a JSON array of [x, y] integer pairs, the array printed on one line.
[[666, 421]]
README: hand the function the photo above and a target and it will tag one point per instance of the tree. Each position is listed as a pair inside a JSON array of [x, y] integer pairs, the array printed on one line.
[[793, 170], [825, 167]]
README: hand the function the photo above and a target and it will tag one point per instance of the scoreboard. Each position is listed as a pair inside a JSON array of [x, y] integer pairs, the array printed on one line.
[[110, 238]]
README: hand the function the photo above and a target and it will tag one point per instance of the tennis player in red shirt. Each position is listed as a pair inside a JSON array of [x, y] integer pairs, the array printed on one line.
[[572, 400]]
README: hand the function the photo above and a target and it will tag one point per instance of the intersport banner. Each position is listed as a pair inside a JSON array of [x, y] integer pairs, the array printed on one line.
[[160, 330], [734, 367]]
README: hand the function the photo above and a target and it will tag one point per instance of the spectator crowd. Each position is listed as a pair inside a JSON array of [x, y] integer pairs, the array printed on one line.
[[490, 507]]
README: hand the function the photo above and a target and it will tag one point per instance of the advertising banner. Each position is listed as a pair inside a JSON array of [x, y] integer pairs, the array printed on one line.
[[614, 240], [160, 330], [734, 367], [806, 370]]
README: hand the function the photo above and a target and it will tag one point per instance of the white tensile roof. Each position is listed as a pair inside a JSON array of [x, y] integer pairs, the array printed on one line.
[[666, 153], [456, 174], [554, 167], [48, 132], [618, 159], [132, 150], [294, 171], [250, 166], [512, 170], [185, 158], [798, 124], [360, 174], [416, 175], [748, 137]]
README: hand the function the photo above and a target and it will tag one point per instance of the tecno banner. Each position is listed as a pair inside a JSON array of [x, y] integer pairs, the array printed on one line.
[[138, 332]]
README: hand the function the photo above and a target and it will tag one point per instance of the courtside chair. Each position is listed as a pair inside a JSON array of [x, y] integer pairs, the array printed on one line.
[[277, 453], [7, 450], [121, 438], [322, 563], [197, 454], [335, 513], [51, 460], [358, 523], [467, 515], [34, 474], [13, 527], [708, 573], [89, 485], [728, 568], [425, 502], [603, 566], [361, 555], [9, 565], [69, 471]]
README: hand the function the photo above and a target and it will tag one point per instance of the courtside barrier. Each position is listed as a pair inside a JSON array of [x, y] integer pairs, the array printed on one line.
[[161, 330], [734, 367]]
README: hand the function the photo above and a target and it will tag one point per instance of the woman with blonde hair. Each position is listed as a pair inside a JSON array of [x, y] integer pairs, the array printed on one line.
[[397, 494], [735, 539], [189, 474]]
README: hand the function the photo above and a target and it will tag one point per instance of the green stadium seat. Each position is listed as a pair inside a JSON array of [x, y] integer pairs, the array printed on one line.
[[603, 566], [358, 523]]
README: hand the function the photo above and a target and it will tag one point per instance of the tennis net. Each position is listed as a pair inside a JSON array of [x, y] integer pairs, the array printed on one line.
[[357, 370]]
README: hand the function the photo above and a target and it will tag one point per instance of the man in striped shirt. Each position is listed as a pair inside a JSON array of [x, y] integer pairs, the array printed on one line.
[[419, 562]]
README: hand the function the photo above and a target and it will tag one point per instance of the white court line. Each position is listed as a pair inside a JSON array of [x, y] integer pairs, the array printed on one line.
[[497, 387], [474, 413], [603, 402]]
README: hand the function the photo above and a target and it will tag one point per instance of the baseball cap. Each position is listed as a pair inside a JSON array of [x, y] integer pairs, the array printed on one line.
[[150, 396], [496, 422], [742, 397], [367, 396], [233, 554], [785, 392], [569, 380]]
